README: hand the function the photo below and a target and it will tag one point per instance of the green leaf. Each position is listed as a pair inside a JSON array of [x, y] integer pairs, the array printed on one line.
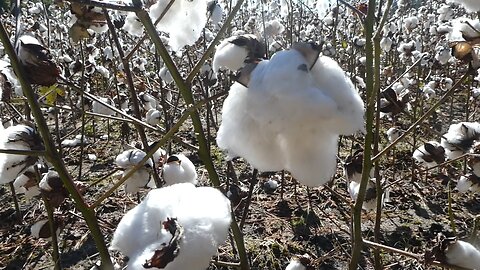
[[50, 93]]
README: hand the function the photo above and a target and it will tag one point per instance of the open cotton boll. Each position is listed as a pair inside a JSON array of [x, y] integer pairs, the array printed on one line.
[[153, 117], [179, 169], [370, 201], [130, 158], [99, 108], [203, 213], [463, 184], [27, 184], [233, 52], [430, 154], [137, 180], [165, 75], [19, 137], [295, 264], [192, 14], [460, 138], [463, 254], [126, 160], [469, 5], [274, 28], [74, 142], [393, 133], [133, 25]]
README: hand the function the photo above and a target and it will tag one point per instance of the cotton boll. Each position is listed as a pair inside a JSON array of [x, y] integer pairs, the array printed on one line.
[[133, 25], [463, 254], [127, 160], [469, 5], [274, 28], [430, 154], [460, 138], [192, 14], [165, 75], [443, 55], [295, 264], [19, 137], [99, 108], [370, 201], [386, 44], [41, 229], [179, 169], [410, 23], [26, 183], [203, 213], [74, 142], [216, 12], [393, 133], [153, 117], [233, 52], [148, 101]]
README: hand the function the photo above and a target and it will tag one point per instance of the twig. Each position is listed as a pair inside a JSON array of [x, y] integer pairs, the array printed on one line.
[[105, 4]]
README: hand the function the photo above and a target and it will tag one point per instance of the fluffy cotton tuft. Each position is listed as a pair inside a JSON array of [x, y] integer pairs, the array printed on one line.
[[430, 154], [231, 56], [127, 160], [463, 254], [470, 5], [192, 14], [460, 138], [295, 265], [290, 117], [179, 169], [204, 214], [19, 137]]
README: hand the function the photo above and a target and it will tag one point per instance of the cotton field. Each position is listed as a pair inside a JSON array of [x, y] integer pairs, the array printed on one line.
[[243, 134]]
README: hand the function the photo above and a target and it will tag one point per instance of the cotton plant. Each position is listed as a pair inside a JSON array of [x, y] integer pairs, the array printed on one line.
[[18, 137], [140, 178], [174, 228], [276, 116]]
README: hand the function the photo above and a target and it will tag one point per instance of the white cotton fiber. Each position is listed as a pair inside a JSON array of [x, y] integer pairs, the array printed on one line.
[[332, 80], [180, 171], [192, 14], [295, 265], [460, 138], [463, 254], [290, 117], [228, 55], [99, 108], [12, 165], [127, 160], [204, 214], [469, 5]]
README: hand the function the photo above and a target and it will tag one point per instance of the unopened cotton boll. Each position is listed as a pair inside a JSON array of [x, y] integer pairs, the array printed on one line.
[[179, 169], [202, 214], [463, 254]]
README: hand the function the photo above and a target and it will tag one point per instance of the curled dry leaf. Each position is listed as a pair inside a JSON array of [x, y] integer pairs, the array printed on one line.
[[162, 257]]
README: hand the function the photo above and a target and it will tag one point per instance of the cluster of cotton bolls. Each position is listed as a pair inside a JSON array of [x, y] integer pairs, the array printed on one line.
[[175, 227], [281, 114]]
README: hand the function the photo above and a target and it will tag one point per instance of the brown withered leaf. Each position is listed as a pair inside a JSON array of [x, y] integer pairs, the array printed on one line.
[[162, 257]]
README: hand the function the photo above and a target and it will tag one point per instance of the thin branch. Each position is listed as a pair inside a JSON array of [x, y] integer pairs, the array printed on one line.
[[105, 4]]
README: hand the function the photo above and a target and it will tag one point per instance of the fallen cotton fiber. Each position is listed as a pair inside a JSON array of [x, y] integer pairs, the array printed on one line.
[[201, 217]]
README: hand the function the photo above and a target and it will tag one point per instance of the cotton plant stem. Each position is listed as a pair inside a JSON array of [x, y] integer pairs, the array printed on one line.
[[53, 156], [131, 88], [367, 146], [377, 83], [239, 240], [185, 91], [422, 118], [18, 213], [53, 232]]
